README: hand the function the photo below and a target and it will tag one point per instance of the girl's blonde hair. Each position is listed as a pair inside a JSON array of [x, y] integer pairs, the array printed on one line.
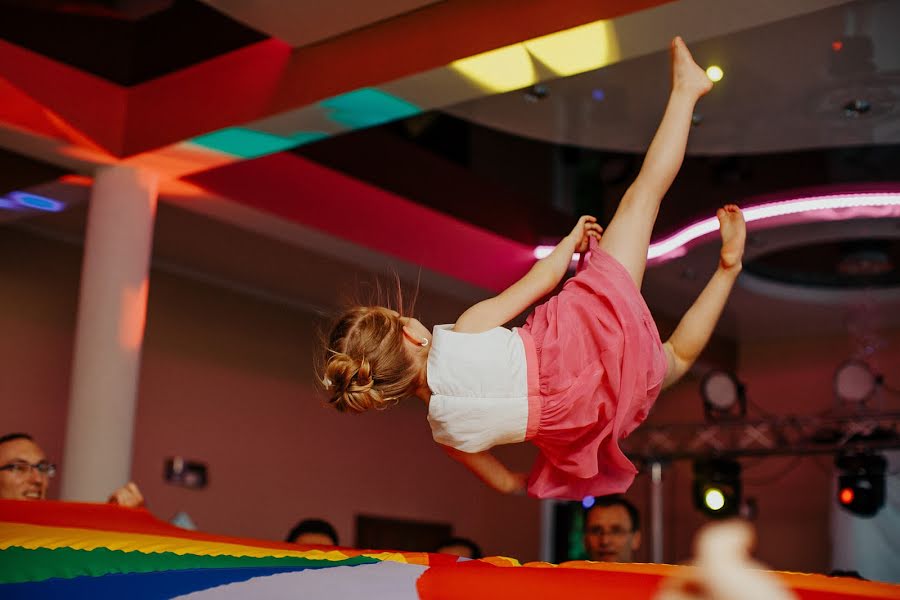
[[365, 364]]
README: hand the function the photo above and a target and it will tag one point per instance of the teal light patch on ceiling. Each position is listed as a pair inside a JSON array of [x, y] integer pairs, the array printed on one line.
[[249, 143], [367, 107]]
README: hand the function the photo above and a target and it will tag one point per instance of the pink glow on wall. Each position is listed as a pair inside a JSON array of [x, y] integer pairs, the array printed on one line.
[[824, 207], [134, 316]]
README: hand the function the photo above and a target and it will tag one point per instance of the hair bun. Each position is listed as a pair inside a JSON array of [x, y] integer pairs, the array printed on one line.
[[366, 364], [364, 377], [350, 383]]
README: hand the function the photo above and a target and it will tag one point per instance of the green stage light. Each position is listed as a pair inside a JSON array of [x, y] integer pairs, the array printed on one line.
[[714, 499], [717, 487]]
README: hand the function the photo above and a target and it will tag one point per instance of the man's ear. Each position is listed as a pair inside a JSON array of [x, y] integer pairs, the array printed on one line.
[[636, 540]]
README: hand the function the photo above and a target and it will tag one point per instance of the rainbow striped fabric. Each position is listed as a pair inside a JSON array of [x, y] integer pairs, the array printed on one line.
[[74, 550]]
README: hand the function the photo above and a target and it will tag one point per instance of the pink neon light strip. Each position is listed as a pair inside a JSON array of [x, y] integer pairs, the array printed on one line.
[[798, 211]]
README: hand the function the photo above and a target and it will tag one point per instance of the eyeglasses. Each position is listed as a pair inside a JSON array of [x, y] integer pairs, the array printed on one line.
[[615, 532], [23, 469]]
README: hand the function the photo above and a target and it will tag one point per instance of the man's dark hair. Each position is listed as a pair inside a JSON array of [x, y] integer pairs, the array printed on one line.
[[616, 500], [474, 549], [312, 526], [10, 437], [846, 573]]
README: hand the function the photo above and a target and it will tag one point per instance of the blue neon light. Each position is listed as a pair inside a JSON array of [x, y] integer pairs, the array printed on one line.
[[36, 202]]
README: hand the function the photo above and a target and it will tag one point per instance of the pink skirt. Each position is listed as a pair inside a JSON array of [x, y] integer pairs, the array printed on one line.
[[597, 363]]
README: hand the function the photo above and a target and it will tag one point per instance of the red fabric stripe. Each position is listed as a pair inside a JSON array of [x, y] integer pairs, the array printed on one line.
[[110, 517], [477, 580]]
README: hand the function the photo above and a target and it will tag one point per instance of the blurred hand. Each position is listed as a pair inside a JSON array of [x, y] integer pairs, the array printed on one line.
[[128, 496]]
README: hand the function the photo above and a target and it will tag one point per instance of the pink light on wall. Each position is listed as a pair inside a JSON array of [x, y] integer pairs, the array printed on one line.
[[822, 207]]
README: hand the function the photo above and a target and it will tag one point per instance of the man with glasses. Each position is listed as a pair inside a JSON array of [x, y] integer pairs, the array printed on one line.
[[612, 530], [25, 473]]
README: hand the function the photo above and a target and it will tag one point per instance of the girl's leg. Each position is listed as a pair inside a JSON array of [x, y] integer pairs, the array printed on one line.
[[628, 235]]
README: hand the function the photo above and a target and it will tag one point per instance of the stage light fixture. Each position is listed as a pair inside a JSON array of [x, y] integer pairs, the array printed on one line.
[[723, 396], [861, 483], [855, 382], [717, 487]]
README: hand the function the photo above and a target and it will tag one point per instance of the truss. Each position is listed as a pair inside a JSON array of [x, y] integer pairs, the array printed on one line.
[[768, 436]]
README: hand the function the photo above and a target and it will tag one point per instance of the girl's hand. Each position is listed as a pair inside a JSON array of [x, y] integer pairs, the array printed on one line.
[[584, 230], [518, 484]]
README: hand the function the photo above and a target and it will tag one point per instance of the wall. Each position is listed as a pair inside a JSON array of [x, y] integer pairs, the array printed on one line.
[[228, 380]]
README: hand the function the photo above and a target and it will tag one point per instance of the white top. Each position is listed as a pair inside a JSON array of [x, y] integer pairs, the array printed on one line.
[[479, 388]]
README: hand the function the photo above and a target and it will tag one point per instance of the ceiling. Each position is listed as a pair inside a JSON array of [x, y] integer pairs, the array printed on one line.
[[332, 142]]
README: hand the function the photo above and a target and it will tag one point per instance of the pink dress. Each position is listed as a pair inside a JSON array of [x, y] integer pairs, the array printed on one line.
[[599, 368]]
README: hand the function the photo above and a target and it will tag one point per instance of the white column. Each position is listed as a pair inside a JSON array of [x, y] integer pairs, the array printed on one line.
[[656, 512], [109, 332]]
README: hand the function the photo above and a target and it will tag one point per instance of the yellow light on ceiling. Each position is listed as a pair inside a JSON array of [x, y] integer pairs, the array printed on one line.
[[500, 70], [564, 53], [715, 73], [577, 50]]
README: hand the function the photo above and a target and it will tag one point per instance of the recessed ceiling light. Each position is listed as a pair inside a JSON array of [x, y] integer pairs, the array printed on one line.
[[536, 92], [856, 108]]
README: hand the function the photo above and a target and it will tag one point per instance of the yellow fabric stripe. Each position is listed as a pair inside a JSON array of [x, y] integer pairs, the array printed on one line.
[[38, 536]]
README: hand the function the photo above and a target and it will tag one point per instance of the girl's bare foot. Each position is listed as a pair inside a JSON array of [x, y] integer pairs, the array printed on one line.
[[687, 74], [734, 234]]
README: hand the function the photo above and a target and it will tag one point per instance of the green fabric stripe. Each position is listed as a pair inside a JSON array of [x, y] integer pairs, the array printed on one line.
[[19, 565]]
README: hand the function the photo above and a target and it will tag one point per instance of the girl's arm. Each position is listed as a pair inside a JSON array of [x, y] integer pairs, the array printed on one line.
[[538, 282], [698, 323], [490, 470]]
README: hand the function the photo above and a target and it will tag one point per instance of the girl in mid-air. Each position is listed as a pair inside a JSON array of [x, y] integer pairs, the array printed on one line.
[[586, 367]]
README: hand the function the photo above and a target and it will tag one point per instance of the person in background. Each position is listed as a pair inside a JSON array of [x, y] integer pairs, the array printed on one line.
[[25, 473], [313, 531], [458, 546], [612, 530]]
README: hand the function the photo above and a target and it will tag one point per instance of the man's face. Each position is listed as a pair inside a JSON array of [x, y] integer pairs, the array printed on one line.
[[323, 539], [31, 485], [608, 535]]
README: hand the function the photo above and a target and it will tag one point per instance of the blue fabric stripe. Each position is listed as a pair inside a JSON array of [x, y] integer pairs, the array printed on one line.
[[136, 586]]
